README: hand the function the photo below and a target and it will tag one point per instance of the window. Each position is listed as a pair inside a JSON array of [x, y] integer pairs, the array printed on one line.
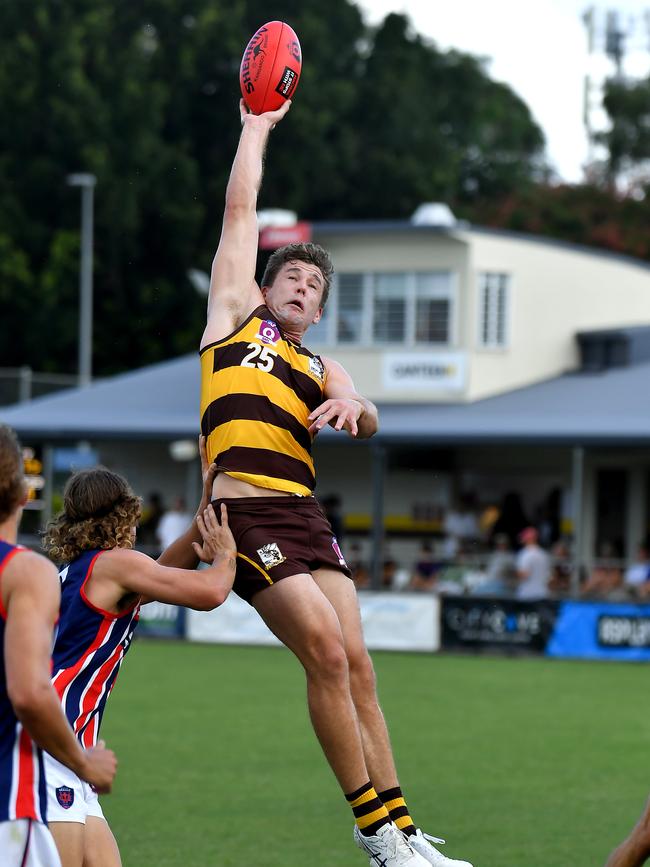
[[405, 308], [389, 313], [493, 309]]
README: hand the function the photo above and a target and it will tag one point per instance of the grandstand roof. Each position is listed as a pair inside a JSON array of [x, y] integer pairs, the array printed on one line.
[[161, 402]]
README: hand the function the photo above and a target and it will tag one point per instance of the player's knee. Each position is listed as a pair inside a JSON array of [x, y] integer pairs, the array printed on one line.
[[362, 675], [327, 658]]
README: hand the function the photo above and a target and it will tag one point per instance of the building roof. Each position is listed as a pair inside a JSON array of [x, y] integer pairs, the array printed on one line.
[[461, 231], [161, 402]]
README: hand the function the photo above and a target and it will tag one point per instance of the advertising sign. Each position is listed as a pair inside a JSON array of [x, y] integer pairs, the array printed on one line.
[[602, 630], [424, 371], [497, 624], [160, 620]]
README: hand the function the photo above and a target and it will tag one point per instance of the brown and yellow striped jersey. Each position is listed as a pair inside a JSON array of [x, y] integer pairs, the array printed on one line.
[[257, 390]]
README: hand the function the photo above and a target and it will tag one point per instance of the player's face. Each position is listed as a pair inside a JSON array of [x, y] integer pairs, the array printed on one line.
[[295, 296]]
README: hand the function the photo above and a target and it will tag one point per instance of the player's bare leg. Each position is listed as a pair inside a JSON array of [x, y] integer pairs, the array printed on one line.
[[377, 748], [298, 613], [69, 839], [635, 850], [100, 848], [378, 752]]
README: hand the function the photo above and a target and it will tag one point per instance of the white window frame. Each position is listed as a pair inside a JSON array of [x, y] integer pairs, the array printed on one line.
[[485, 284]]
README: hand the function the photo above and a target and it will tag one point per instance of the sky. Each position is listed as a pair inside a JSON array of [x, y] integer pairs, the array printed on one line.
[[540, 48]]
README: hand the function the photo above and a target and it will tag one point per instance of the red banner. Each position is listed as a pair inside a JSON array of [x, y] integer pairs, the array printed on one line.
[[273, 237]]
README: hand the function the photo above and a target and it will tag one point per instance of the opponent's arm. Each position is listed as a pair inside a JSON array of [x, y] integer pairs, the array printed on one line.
[[31, 598], [344, 408], [233, 290], [181, 553], [122, 571]]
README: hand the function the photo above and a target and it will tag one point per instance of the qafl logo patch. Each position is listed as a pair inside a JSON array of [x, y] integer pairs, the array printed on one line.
[[316, 367], [65, 796], [271, 555], [269, 332]]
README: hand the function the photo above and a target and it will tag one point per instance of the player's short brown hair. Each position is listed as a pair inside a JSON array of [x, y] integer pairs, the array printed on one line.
[[12, 476], [99, 511], [313, 254]]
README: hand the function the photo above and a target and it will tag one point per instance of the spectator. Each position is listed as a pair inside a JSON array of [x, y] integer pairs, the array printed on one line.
[[500, 574], [533, 567], [636, 575], [173, 523], [358, 568], [426, 569], [559, 583], [606, 577]]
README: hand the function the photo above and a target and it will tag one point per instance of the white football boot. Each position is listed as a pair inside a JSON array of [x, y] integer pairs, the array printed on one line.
[[388, 848], [423, 845]]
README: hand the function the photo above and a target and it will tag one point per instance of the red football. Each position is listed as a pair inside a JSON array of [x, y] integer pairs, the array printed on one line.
[[270, 67]]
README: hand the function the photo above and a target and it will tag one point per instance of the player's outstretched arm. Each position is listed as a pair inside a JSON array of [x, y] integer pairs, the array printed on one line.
[[31, 597], [344, 408], [233, 291], [122, 571]]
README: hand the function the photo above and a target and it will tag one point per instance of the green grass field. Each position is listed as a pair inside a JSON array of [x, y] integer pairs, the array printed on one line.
[[517, 762]]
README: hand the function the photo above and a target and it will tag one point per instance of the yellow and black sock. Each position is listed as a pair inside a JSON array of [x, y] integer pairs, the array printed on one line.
[[369, 811], [394, 802]]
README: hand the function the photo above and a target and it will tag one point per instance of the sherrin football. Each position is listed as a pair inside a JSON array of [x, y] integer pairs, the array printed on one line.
[[270, 67]]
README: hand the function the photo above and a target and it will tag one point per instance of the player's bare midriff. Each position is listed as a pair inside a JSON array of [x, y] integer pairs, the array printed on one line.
[[226, 487]]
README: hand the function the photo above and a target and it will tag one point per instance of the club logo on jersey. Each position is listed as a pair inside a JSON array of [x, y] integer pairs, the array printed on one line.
[[269, 332], [338, 552], [65, 796], [316, 367], [271, 555]]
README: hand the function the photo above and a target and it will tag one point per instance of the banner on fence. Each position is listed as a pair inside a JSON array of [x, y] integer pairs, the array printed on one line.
[[390, 622], [159, 620], [497, 624]]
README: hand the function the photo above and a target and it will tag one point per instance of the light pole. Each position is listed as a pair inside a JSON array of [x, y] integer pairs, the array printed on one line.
[[85, 362]]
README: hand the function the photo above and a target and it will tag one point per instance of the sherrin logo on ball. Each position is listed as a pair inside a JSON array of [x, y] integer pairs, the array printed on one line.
[[270, 67]]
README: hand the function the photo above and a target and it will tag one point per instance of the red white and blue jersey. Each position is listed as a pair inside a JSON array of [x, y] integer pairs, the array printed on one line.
[[89, 650], [22, 779]]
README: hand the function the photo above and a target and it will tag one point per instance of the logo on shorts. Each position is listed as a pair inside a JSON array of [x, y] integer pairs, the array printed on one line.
[[271, 555], [316, 367], [338, 552], [65, 796], [269, 332]]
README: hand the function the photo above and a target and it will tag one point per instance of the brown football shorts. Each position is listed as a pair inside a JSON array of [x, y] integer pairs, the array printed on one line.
[[277, 537]]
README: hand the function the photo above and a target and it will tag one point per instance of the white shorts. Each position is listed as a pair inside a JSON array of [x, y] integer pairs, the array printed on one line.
[[26, 843], [69, 799]]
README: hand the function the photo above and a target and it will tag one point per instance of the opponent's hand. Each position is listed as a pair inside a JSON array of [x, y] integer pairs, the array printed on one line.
[[218, 541], [208, 474], [100, 767], [271, 117], [340, 413]]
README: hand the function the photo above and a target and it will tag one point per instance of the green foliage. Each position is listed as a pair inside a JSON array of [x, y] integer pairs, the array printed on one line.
[[516, 762], [628, 141], [144, 95]]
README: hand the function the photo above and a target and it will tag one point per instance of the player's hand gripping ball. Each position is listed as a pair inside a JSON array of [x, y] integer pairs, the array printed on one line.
[[270, 67]]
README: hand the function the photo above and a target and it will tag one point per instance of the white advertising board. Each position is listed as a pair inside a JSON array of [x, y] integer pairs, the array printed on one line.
[[391, 621]]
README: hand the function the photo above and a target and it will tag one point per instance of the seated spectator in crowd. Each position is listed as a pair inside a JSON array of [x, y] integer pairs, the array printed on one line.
[[606, 578], [426, 569], [358, 567], [636, 576], [559, 583], [500, 573], [533, 567], [173, 523], [148, 526], [451, 578], [461, 524]]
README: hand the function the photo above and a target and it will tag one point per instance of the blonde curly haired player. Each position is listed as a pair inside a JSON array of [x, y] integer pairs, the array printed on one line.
[[104, 583]]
